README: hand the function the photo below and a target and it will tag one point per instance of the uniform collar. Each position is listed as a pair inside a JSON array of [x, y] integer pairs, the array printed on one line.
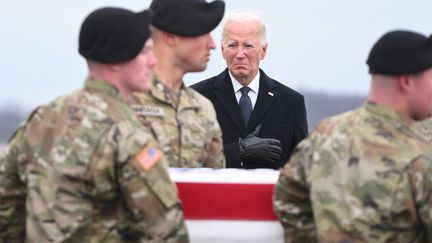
[[177, 99], [101, 86], [162, 92], [424, 128], [388, 113]]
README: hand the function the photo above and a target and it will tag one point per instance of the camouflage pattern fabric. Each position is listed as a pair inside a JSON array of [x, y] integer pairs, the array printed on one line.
[[83, 169], [424, 127], [362, 176], [184, 124]]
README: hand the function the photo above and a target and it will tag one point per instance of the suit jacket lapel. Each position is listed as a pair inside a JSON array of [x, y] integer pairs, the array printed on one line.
[[266, 96], [224, 92]]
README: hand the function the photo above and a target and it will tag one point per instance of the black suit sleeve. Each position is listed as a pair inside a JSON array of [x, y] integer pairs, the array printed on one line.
[[232, 155], [301, 125]]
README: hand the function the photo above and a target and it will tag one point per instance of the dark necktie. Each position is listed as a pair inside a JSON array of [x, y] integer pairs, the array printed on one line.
[[245, 104]]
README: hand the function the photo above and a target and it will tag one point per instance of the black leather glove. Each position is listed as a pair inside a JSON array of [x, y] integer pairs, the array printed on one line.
[[255, 150]]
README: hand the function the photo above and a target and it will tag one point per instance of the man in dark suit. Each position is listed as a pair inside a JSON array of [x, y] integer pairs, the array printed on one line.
[[261, 124]]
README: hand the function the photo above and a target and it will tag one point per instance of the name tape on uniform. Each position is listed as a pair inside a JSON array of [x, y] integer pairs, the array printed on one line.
[[148, 110]]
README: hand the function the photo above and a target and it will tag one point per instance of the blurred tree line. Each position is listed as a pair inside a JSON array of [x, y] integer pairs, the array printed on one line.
[[318, 105], [321, 105], [11, 115]]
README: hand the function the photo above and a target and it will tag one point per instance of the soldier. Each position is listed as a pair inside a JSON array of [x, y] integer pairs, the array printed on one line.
[[182, 120], [366, 175], [82, 168]]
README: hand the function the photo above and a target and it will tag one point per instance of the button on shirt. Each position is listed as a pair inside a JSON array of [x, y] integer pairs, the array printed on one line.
[[253, 93]]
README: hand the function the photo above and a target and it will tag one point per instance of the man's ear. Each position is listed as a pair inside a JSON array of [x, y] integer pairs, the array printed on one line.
[[264, 51], [222, 50], [112, 66], [168, 38], [405, 82]]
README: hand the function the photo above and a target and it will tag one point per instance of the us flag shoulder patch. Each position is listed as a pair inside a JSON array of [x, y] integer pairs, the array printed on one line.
[[148, 157]]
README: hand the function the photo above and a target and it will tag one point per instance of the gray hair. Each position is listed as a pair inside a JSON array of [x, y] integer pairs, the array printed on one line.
[[245, 16]]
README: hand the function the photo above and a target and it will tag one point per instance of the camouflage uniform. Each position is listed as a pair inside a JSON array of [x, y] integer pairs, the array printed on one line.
[[89, 172], [363, 176], [424, 127], [184, 123]]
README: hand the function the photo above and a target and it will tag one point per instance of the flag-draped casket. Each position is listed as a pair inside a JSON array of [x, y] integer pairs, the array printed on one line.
[[228, 205]]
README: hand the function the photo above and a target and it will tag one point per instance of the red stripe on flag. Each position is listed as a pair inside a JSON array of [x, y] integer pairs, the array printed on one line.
[[227, 201]]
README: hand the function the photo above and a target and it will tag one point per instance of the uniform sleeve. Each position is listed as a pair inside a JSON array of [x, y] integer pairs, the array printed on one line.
[[150, 197], [420, 172], [291, 198], [216, 157], [12, 195]]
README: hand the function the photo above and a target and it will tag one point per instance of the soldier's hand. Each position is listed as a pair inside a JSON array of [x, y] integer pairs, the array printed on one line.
[[257, 150]]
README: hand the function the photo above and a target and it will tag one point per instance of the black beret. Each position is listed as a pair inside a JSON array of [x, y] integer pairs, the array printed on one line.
[[113, 35], [400, 52], [187, 17]]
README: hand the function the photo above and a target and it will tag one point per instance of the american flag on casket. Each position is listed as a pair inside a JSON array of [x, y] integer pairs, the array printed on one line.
[[228, 205]]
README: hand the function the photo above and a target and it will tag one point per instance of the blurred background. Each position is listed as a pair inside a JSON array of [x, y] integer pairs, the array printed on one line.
[[318, 48]]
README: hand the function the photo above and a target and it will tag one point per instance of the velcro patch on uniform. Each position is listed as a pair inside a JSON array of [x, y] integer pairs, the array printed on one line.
[[148, 157]]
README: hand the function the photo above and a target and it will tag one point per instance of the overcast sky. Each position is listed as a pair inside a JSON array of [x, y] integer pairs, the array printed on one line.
[[313, 45]]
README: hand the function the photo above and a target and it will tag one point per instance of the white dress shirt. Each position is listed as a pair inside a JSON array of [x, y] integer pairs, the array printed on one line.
[[254, 86]]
